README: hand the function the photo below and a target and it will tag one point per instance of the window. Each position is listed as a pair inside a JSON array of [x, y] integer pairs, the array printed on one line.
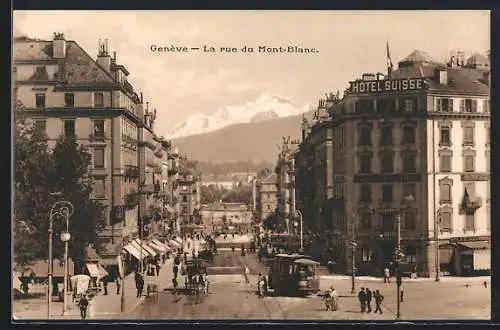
[[40, 126], [366, 220], [387, 222], [98, 100], [69, 100], [99, 188], [386, 163], [445, 186], [365, 136], [387, 192], [365, 164], [445, 221], [469, 163], [486, 105], [409, 162], [98, 128], [363, 106], [468, 105], [98, 157], [409, 221], [69, 127], [365, 193], [445, 163], [470, 223], [468, 136], [386, 136], [40, 100], [410, 189], [268, 207], [386, 105], [408, 134], [444, 105], [445, 137], [184, 199], [408, 105]]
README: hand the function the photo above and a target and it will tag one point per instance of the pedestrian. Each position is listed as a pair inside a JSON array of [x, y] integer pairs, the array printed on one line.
[[139, 284], [163, 258], [175, 269], [401, 295], [83, 304], [104, 281], [378, 301], [91, 307], [387, 275], [158, 267], [246, 272], [361, 298], [335, 298], [175, 285], [118, 284], [368, 300]]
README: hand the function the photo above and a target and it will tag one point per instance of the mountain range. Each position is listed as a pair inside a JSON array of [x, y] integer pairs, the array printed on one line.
[[255, 141], [265, 107]]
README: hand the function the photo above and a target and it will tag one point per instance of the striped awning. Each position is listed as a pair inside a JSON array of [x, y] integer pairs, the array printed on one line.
[[132, 250], [93, 270], [161, 244], [159, 249], [174, 244], [146, 247]]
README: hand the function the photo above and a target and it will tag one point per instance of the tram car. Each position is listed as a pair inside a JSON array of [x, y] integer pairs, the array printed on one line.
[[293, 275]]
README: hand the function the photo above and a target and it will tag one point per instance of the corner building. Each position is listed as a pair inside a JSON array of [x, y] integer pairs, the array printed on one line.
[[423, 132]]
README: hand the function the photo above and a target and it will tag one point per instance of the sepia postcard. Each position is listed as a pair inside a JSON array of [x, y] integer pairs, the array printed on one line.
[[251, 165]]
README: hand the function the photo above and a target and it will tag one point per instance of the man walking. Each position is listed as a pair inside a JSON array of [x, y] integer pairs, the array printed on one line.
[[118, 284], [83, 304], [139, 284], [246, 272], [335, 298], [362, 299], [378, 301], [387, 275], [368, 300], [105, 284]]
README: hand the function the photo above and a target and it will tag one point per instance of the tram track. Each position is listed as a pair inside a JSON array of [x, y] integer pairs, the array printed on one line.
[[267, 306]]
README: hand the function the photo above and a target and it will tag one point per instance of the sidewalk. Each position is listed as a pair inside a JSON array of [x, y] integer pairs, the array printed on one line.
[[105, 305], [406, 279]]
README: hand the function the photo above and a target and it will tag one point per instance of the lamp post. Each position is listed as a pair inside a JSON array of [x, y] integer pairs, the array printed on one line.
[[65, 237], [64, 208], [122, 277], [407, 200], [301, 230], [436, 237], [353, 252]]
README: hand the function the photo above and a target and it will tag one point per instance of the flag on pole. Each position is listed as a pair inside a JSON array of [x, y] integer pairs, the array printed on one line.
[[389, 60]]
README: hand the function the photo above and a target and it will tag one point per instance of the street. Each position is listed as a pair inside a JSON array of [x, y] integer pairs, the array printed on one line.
[[231, 298]]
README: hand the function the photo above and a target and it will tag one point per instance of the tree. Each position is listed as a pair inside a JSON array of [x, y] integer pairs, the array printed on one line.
[[271, 222], [71, 176], [33, 167]]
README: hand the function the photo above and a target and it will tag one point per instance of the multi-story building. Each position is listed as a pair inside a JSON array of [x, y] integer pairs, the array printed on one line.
[[265, 192], [420, 152], [67, 92]]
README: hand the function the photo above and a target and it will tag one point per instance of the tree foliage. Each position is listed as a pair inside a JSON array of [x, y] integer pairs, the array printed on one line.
[[40, 172], [271, 222]]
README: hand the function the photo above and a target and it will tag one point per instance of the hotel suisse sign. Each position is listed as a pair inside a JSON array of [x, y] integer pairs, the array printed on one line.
[[391, 85]]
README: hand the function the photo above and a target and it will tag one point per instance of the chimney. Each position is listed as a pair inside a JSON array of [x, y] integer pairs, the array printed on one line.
[[441, 76], [59, 46], [103, 57]]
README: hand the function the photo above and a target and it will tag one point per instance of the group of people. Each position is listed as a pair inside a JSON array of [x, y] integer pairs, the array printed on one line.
[[262, 288], [86, 305], [331, 299], [365, 297]]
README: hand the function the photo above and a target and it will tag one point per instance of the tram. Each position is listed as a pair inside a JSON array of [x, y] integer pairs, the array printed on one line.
[[293, 274]]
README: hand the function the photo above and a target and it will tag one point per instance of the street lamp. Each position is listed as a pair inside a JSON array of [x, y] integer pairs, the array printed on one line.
[[297, 212], [436, 236], [64, 208], [353, 252], [122, 280], [65, 237], [407, 200]]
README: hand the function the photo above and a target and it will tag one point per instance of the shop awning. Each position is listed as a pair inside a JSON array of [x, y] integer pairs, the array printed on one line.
[[175, 244], [146, 247], [161, 244], [133, 251], [93, 270], [178, 240], [478, 245], [159, 249], [142, 251], [102, 272]]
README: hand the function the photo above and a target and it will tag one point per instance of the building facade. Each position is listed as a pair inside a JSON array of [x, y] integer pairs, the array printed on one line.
[[419, 152], [266, 200]]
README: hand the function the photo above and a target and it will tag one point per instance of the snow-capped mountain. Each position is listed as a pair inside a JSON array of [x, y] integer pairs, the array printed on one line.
[[265, 107]]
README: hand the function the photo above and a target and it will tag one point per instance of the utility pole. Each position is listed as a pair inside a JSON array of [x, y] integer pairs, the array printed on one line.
[[398, 274], [353, 252]]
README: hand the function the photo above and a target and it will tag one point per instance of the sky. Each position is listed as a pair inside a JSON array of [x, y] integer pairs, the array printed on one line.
[[180, 84]]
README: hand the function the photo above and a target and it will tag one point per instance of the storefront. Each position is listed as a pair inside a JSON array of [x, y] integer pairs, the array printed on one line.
[[473, 258]]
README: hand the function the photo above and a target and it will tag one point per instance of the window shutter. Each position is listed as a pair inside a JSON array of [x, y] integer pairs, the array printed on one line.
[[462, 105], [438, 105], [450, 105], [474, 105]]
